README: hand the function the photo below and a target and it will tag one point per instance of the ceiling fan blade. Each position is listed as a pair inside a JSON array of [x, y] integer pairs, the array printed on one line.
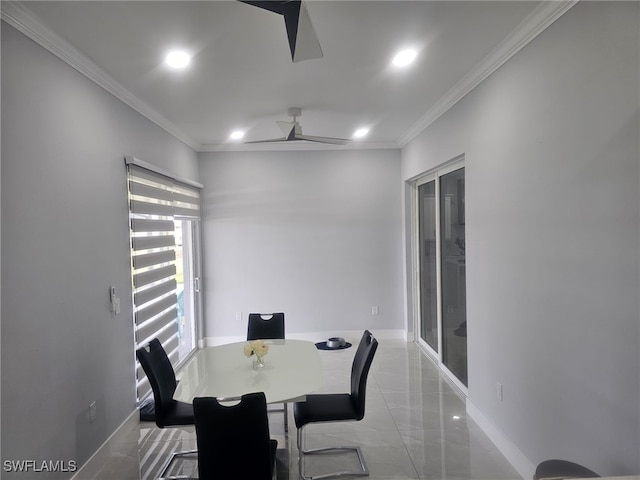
[[288, 129], [332, 140], [303, 40], [271, 5], [269, 140]]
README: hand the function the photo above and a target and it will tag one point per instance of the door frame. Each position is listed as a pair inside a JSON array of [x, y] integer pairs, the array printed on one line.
[[195, 285], [430, 175]]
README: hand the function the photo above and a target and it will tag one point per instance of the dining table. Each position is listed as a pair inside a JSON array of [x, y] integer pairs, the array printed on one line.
[[292, 369]]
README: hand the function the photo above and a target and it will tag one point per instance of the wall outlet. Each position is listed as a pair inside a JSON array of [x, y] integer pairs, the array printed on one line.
[[92, 412], [499, 391], [375, 310], [238, 316]]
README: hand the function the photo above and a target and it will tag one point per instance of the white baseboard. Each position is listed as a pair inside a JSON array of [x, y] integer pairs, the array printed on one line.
[[512, 453], [97, 460], [349, 335]]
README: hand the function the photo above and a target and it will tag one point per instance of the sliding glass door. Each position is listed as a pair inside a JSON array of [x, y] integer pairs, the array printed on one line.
[[441, 281], [452, 279], [428, 264], [188, 284]]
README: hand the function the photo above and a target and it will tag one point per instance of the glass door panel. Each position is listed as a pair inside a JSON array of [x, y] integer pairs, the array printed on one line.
[[428, 263], [187, 279], [453, 269]]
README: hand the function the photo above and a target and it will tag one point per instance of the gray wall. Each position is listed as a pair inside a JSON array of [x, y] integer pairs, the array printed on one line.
[[553, 204], [64, 242], [316, 234]]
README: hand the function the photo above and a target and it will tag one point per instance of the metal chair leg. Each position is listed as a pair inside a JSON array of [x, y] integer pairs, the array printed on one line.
[[363, 472], [174, 455]]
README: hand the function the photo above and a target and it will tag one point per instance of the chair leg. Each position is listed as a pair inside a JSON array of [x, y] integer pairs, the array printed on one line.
[[174, 455], [363, 472]]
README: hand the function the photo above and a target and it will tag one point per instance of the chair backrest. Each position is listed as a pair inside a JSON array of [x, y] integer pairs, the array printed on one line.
[[159, 371], [360, 370], [233, 441], [265, 326]]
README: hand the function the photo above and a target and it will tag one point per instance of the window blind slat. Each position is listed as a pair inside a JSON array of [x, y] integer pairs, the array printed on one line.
[[152, 276], [140, 207], [150, 310], [150, 191], [151, 259], [140, 174], [151, 328], [146, 225], [188, 199], [157, 241], [186, 212], [141, 297]]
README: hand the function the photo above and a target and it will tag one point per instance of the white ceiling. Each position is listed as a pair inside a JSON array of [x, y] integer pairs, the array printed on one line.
[[242, 76]]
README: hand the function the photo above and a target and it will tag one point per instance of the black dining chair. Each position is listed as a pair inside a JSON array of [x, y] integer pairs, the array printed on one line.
[[265, 326], [337, 407], [268, 326], [162, 377], [234, 441]]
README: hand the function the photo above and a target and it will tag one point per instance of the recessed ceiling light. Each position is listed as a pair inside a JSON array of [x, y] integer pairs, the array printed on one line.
[[236, 135], [178, 59], [404, 58], [361, 132]]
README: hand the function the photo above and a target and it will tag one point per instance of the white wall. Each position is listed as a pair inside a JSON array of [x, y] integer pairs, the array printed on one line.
[[553, 209], [314, 234], [64, 242]]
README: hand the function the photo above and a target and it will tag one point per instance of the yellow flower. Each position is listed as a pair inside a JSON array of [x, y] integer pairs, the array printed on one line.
[[260, 348], [257, 347]]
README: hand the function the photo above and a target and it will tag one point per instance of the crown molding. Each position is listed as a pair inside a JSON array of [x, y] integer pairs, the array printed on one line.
[[532, 26], [19, 17], [296, 146]]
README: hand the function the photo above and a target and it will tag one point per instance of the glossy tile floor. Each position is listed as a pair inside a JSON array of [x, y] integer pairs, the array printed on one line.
[[415, 427]]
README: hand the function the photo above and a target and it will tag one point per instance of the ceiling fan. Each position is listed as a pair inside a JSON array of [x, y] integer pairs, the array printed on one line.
[[293, 132], [303, 41]]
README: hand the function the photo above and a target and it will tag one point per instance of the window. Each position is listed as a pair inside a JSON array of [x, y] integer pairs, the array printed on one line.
[[164, 215]]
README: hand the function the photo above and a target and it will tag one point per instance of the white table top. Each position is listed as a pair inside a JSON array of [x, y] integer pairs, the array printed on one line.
[[292, 369]]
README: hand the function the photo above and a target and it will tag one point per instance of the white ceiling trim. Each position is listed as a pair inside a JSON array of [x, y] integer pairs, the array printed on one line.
[[18, 16], [532, 26], [23, 20]]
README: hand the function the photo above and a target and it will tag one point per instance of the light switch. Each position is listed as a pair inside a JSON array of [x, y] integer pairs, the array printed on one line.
[[114, 301]]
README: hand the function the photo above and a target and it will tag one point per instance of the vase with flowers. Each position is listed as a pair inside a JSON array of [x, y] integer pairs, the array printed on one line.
[[257, 349]]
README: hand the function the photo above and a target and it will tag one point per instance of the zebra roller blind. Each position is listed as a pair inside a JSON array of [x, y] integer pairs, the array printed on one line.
[[156, 200]]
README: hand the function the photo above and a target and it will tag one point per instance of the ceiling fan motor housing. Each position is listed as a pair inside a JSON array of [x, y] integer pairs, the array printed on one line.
[[294, 112]]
